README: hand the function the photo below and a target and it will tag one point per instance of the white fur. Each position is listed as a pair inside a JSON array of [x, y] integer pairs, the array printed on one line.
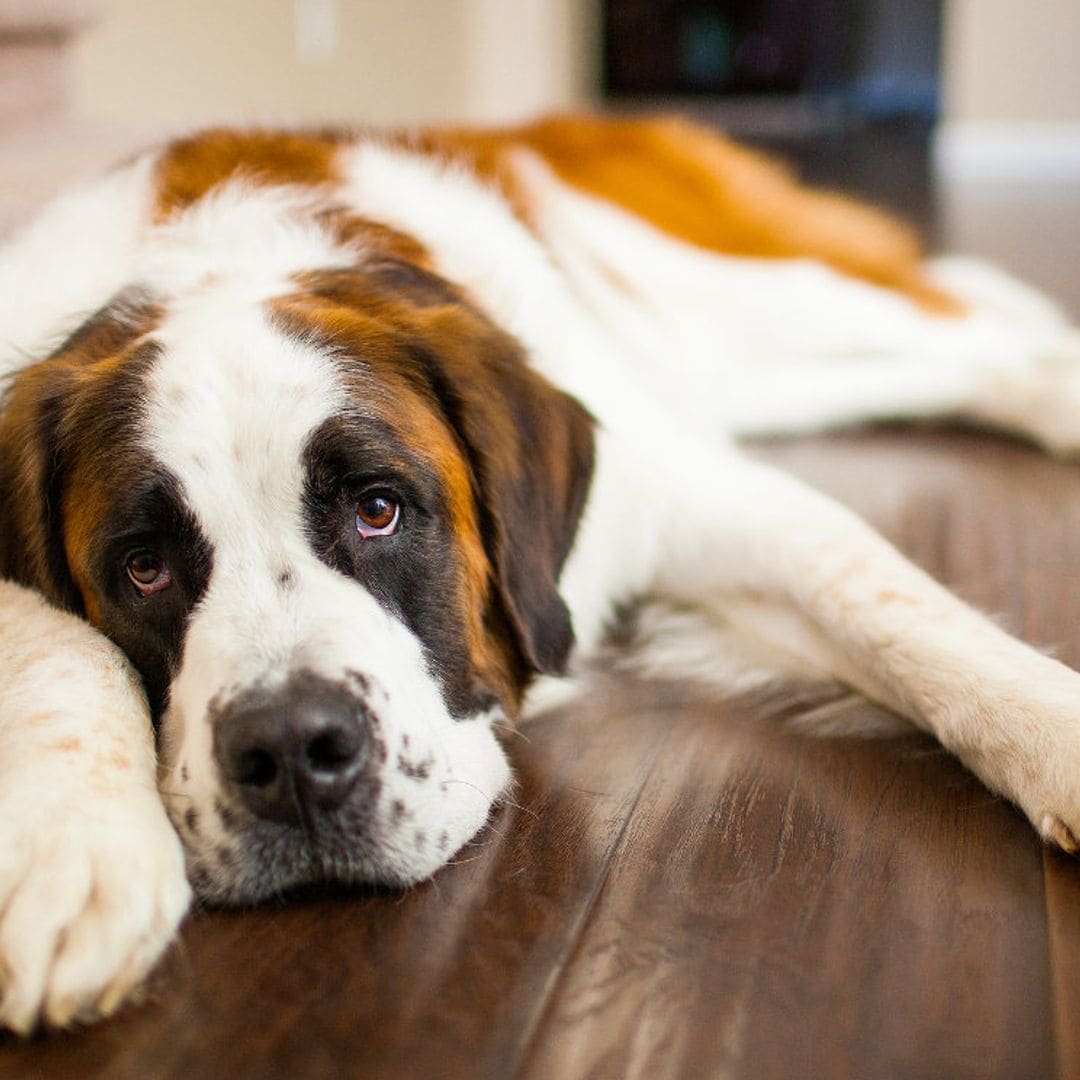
[[674, 350], [65, 264]]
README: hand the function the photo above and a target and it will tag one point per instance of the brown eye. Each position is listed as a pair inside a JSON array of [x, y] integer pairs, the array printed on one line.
[[377, 515], [148, 572]]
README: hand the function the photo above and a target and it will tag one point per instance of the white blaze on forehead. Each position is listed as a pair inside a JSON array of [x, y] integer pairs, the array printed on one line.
[[233, 404], [233, 399]]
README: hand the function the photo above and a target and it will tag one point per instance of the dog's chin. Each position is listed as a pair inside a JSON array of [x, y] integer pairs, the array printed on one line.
[[268, 860], [398, 832]]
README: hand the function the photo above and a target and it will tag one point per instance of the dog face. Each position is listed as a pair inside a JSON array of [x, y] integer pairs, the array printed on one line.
[[324, 517]]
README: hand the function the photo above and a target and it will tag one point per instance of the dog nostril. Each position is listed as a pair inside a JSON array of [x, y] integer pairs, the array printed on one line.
[[256, 768], [329, 751]]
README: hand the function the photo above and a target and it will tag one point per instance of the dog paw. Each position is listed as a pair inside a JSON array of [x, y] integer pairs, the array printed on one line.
[[88, 903]]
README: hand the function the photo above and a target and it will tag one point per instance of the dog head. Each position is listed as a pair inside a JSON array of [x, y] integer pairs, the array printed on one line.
[[323, 511]]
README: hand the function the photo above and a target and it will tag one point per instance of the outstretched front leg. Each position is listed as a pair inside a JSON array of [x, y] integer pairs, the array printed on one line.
[[792, 568], [92, 882]]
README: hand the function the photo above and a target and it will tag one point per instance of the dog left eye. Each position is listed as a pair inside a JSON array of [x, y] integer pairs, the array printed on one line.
[[148, 572], [377, 515]]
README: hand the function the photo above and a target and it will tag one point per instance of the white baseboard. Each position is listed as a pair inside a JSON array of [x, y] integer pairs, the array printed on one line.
[[1004, 152]]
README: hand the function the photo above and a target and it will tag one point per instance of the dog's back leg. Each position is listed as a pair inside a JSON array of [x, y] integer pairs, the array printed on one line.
[[1011, 363]]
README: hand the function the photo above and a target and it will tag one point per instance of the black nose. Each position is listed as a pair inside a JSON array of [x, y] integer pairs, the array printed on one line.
[[294, 753]]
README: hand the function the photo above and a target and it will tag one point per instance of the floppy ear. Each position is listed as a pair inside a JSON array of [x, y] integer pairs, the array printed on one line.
[[36, 419], [531, 449], [31, 532]]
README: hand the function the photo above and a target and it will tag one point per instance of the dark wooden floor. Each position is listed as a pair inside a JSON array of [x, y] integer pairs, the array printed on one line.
[[689, 888]]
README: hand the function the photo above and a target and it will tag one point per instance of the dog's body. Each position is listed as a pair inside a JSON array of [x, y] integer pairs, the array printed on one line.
[[362, 424]]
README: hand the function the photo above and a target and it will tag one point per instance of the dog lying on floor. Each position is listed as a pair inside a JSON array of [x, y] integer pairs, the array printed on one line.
[[365, 432]]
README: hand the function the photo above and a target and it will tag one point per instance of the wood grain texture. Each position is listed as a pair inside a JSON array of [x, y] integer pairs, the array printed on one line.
[[688, 887]]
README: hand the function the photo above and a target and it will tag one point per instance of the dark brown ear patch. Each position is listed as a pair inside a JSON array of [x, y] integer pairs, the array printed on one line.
[[531, 449]]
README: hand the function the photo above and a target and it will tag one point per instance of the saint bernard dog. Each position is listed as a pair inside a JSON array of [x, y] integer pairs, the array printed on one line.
[[318, 449]]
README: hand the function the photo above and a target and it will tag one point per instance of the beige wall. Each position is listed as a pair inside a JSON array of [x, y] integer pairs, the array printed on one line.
[[390, 61], [525, 56], [1012, 61], [1007, 61]]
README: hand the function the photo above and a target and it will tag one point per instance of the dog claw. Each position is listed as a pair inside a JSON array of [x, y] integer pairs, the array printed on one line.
[[1057, 832]]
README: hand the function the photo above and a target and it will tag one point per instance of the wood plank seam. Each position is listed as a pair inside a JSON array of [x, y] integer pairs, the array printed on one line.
[[547, 994]]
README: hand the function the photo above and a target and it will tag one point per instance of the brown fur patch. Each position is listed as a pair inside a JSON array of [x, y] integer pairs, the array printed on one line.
[[372, 237], [190, 168], [46, 719], [700, 187], [120, 761], [63, 481], [89, 489], [69, 745]]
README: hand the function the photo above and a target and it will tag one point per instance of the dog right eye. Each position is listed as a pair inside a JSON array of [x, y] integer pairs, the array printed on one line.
[[148, 572], [377, 515]]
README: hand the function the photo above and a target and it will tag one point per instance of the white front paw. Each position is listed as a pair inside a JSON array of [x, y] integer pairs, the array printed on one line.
[[1034, 754], [90, 897]]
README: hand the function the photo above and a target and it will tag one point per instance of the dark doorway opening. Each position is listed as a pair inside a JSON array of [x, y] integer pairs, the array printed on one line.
[[849, 90]]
